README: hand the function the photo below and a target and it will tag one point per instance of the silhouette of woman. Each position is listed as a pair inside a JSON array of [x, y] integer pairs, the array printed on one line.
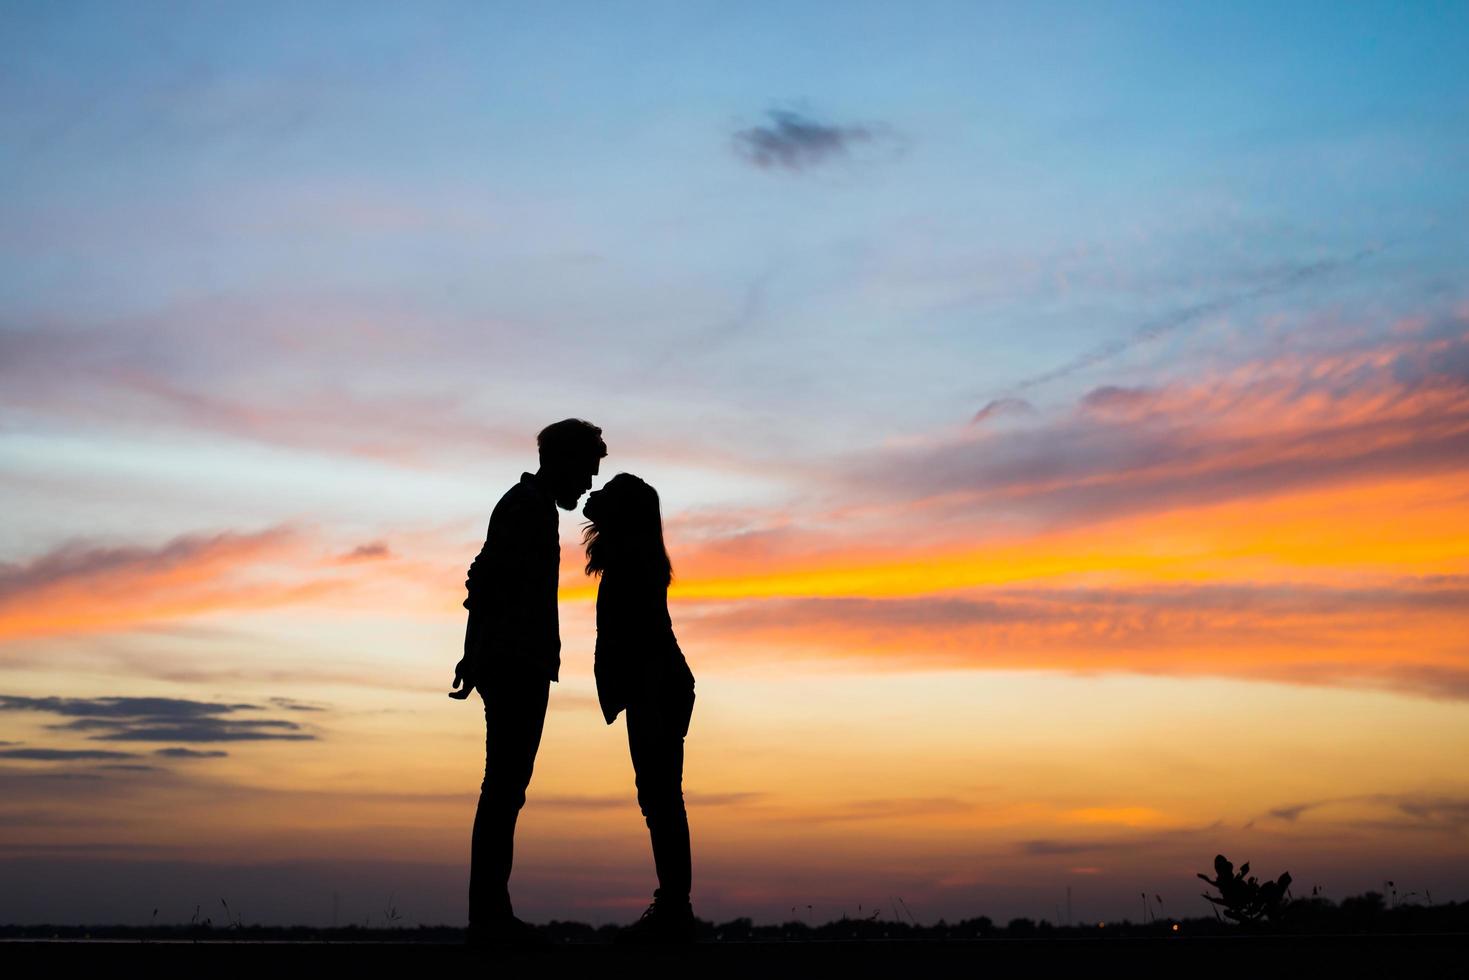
[[640, 668]]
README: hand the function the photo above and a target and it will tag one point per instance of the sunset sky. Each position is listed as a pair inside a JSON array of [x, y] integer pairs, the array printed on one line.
[[1060, 412]]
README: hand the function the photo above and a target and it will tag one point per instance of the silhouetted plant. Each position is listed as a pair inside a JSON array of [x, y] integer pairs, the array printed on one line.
[[1245, 899], [196, 926], [390, 914]]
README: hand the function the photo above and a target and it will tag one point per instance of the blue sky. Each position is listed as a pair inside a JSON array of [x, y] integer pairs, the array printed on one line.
[[950, 334], [559, 189]]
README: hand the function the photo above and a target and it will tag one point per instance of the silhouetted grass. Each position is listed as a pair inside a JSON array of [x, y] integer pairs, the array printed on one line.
[[1367, 914]]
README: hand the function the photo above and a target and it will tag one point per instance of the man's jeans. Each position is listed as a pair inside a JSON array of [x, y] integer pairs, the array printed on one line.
[[655, 734], [515, 712]]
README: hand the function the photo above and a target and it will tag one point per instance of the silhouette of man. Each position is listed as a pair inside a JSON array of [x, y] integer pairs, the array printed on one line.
[[512, 653]]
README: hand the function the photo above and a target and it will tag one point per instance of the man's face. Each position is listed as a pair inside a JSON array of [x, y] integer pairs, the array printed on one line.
[[573, 482]]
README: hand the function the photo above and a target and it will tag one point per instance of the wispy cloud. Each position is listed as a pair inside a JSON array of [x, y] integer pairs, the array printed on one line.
[[291, 704], [1002, 406], [1293, 812], [83, 586], [1444, 810], [217, 366], [1133, 842], [1398, 406], [1279, 282]]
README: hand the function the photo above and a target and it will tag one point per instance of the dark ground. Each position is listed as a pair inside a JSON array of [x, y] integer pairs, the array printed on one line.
[[1388, 955]]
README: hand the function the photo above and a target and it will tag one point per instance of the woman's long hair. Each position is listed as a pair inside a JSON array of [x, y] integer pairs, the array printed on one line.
[[625, 529]]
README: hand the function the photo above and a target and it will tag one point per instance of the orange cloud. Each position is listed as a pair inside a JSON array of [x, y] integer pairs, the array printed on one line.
[[1404, 634], [79, 587], [1304, 420], [1299, 519]]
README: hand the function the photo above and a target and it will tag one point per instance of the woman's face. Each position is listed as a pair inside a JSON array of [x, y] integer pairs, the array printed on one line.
[[593, 505], [619, 502]]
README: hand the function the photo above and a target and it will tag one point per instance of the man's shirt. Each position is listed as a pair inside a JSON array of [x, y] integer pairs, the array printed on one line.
[[512, 583]]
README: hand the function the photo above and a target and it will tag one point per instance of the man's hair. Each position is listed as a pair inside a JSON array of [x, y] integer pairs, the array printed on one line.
[[570, 440]]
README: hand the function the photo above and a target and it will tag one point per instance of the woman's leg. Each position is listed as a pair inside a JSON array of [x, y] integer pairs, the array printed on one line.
[[655, 737]]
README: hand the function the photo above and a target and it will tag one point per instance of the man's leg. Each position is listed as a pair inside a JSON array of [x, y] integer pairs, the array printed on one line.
[[515, 713]]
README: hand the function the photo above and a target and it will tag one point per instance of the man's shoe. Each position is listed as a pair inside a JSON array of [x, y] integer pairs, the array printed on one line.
[[662, 924], [505, 932]]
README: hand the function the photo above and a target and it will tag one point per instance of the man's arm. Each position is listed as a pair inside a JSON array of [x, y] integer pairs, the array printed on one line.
[[467, 670], [477, 587], [490, 585]]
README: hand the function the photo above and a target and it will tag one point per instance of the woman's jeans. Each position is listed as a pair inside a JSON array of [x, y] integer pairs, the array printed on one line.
[[515, 712], [655, 732]]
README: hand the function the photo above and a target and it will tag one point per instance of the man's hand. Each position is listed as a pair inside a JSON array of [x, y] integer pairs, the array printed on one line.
[[463, 674], [464, 669]]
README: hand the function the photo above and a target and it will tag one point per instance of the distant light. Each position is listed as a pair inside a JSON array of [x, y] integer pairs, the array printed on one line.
[[1101, 925], [1175, 927]]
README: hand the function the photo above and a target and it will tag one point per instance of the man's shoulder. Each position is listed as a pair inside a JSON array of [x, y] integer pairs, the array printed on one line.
[[521, 504], [519, 495]]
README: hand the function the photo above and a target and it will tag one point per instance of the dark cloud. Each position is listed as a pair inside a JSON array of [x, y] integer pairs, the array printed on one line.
[[795, 142], [128, 719], [1290, 813], [182, 753], [64, 755], [368, 552], [121, 707], [133, 767]]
